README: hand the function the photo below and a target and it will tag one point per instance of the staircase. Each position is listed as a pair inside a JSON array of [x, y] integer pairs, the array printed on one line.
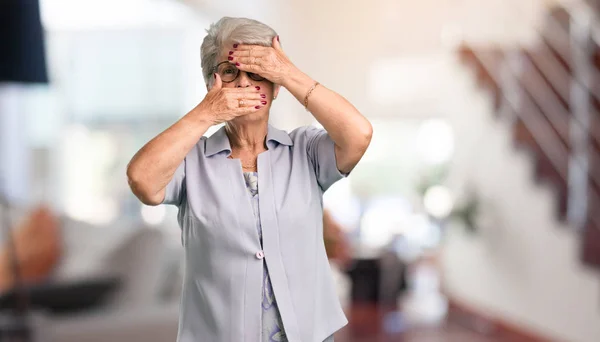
[[550, 93]]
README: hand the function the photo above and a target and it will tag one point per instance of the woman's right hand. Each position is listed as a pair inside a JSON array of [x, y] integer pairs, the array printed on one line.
[[224, 104]]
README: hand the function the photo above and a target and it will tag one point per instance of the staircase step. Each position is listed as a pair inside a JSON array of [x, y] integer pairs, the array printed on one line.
[[591, 245]]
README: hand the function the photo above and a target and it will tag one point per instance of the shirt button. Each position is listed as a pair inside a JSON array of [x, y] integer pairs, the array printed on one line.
[[260, 255]]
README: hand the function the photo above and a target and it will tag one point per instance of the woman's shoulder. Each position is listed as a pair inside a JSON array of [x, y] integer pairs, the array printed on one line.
[[199, 149], [304, 134]]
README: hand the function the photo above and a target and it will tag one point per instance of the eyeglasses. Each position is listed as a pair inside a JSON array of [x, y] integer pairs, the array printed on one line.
[[229, 72]]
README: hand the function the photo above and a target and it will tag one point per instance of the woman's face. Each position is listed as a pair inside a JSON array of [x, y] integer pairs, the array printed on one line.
[[227, 71]]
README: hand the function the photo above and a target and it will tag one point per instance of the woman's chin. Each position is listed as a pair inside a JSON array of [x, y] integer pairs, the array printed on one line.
[[258, 116]]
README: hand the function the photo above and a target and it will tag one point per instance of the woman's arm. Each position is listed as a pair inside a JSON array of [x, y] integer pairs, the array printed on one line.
[[348, 128], [350, 131], [154, 165], [152, 168]]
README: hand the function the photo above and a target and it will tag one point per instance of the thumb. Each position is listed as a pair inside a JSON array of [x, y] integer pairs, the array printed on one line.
[[276, 44], [217, 84]]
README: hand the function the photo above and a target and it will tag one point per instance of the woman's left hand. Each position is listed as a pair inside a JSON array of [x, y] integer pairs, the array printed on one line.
[[269, 62]]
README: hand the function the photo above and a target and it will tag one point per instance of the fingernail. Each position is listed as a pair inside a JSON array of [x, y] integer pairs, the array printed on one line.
[[237, 64], [235, 46], [257, 88], [231, 52], [262, 95], [257, 107], [230, 58], [215, 76], [263, 102], [277, 37]]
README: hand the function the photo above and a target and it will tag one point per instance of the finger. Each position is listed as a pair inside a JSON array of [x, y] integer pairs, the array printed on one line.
[[217, 84], [251, 103], [245, 90], [276, 44], [251, 96], [247, 47], [246, 110], [254, 68], [236, 97], [248, 60], [247, 53]]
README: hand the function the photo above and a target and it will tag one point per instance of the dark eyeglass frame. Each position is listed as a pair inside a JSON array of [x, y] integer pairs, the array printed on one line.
[[251, 75]]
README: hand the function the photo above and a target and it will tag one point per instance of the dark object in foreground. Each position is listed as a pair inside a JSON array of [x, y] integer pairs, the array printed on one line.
[[64, 297]]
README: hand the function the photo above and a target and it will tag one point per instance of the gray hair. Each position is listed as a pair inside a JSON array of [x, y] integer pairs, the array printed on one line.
[[231, 31]]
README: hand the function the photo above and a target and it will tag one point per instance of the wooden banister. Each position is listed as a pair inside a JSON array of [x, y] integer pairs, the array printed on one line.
[[557, 104], [535, 120], [544, 98], [559, 40], [554, 71]]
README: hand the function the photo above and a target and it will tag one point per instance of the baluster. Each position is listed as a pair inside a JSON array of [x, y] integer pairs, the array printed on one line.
[[579, 125]]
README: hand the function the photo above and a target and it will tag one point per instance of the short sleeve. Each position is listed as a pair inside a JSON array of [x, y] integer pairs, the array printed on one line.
[[321, 153], [176, 188]]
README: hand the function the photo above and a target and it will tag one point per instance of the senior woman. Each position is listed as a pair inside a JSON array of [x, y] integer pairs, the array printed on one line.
[[250, 195]]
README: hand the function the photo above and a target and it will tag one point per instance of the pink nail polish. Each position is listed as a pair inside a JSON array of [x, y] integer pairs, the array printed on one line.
[[237, 64], [262, 95], [230, 58], [257, 88], [235, 46], [231, 52], [277, 37], [257, 107], [264, 102]]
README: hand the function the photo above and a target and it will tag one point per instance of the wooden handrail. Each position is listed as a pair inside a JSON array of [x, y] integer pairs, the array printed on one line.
[[558, 39], [551, 108], [561, 72], [539, 127], [560, 80], [545, 99], [558, 76]]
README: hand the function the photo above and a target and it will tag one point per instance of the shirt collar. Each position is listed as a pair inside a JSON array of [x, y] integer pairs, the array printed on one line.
[[219, 142]]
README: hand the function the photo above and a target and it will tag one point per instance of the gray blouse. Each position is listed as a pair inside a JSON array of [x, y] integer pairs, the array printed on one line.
[[223, 282], [272, 326]]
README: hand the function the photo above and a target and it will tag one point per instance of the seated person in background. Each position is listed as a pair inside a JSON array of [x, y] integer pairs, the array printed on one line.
[[38, 245], [336, 244]]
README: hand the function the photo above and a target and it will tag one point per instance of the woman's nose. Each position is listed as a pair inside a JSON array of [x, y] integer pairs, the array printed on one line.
[[243, 80]]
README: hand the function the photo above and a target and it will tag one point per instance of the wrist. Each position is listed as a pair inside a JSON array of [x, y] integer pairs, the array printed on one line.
[[299, 84], [200, 118], [296, 79]]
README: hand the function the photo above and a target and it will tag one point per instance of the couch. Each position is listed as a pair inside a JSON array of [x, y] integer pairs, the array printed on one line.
[[144, 307]]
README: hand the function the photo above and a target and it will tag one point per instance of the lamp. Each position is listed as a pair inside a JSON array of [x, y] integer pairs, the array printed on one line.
[[22, 57]]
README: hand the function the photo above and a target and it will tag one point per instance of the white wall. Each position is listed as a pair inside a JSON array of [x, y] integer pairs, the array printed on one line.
[[523, 266]]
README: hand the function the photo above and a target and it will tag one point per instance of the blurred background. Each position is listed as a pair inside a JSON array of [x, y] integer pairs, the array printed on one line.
[[474, 215]]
